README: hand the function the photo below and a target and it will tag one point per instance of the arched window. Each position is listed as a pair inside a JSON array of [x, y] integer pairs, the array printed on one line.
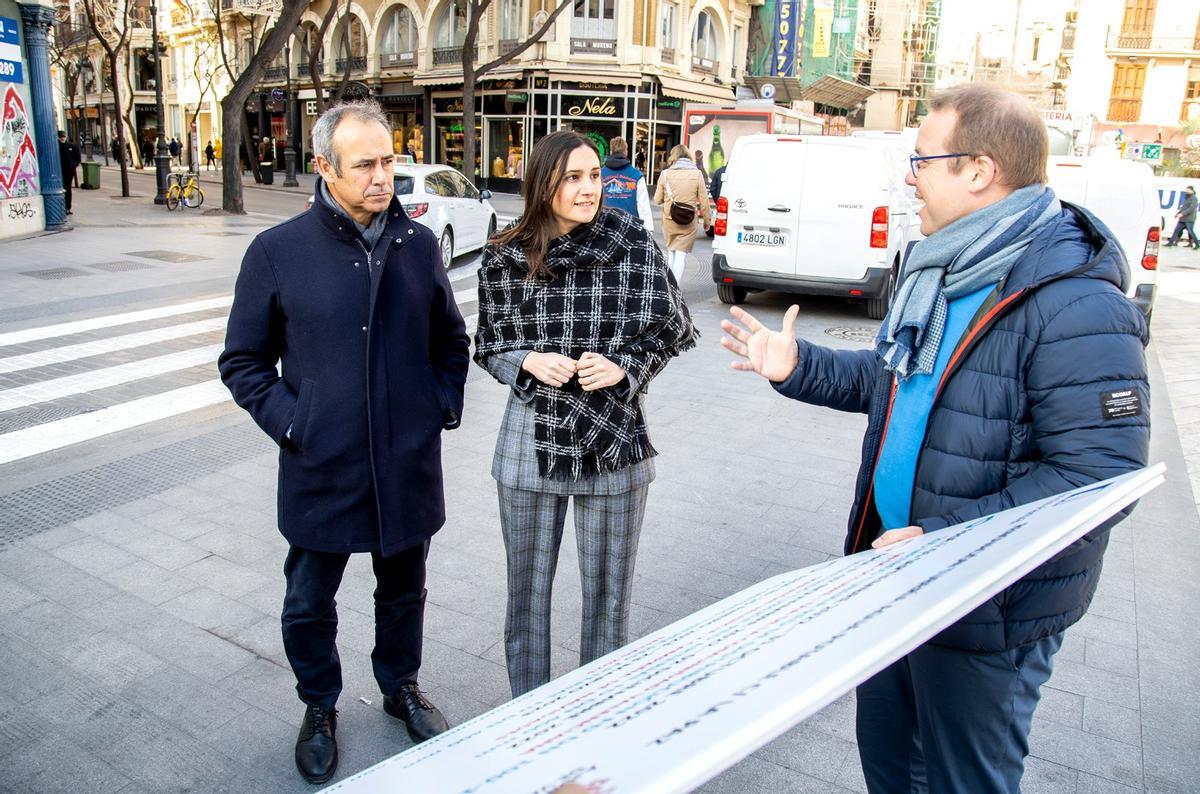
[[510, 20], [399, 32], [351, 48], [452, 27], [307, 43], [704, 39]]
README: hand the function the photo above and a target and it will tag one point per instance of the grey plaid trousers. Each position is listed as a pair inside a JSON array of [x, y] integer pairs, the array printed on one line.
[[607, 527]]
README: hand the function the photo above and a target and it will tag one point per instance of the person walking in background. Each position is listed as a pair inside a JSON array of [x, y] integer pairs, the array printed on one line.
[[351, 297], [699, 161], [210, 157], [173, 149], [69, 159], [1010, 368], [576, 316], [1185, 220], [684, 197], [624, 185]]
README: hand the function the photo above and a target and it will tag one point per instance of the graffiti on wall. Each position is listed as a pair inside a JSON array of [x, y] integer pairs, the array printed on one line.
[[18, 156]]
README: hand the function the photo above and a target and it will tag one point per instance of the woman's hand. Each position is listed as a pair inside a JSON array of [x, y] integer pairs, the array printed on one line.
[[597, 372], [552, 369]]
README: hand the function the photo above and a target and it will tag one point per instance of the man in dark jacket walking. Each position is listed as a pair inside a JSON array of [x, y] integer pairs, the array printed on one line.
[[352, 297], [1185, 219], [624, 185], [994, 382], [69, 159]]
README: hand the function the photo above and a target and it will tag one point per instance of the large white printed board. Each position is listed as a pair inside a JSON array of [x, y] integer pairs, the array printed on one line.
[[673, 709]]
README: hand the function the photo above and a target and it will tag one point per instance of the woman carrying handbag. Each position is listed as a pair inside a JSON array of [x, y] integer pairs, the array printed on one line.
[[684, 197], [576, 315]]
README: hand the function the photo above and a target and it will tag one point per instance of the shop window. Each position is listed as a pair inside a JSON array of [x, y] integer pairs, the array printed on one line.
[[505, 148], [398, 45], [704, 43]]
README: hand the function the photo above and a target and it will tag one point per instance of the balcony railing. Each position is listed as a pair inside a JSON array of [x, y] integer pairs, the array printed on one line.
[[275, 73], [444, 56], [267, 7], [302, 69], [1124, 109], [508, 45], [393, 60], [704, 64], [355, 64], [66, 34], [668, 55], [1147, 43]]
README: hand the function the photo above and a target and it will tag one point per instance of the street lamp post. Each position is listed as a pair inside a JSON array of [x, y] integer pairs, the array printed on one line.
[[289, 151], [162, 157], [85, 68]]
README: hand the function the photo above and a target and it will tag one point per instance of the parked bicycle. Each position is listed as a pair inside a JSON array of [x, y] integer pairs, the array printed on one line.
[[186, 192]]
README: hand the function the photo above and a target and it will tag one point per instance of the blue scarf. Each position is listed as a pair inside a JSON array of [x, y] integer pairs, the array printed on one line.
[[972, 252]]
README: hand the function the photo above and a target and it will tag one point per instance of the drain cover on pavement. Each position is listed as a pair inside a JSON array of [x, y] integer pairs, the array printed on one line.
[[168, 256], [56, 273], [120, 267], [853, 333]]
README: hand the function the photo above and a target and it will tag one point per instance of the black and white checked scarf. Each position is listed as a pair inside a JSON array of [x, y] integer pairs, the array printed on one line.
[[610, 295]]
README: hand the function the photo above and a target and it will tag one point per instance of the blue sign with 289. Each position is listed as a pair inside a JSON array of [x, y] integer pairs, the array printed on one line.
[[10, 52]]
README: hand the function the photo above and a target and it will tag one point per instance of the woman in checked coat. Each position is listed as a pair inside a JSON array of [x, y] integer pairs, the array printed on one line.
[[577, 316]]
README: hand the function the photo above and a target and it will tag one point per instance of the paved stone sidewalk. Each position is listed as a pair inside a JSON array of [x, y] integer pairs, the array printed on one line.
[[139, 639]]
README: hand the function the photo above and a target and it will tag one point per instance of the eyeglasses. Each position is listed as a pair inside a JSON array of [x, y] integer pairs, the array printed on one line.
[[914, 160]]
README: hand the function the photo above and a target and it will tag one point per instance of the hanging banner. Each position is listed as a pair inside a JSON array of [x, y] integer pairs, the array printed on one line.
[[787, 19], [672, 710], [822, 28]]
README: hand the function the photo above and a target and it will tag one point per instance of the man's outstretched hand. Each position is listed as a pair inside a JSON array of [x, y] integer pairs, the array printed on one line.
[[771, 354]]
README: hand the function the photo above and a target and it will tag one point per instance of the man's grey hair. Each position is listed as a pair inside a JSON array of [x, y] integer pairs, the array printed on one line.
[[322, 133]]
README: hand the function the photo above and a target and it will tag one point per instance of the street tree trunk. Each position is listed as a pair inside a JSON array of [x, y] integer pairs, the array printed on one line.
[[233, 105], [472, 73], [123, 160]]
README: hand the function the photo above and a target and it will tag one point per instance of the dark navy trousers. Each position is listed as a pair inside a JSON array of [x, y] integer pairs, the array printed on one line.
[[310, 620], [942, 720]]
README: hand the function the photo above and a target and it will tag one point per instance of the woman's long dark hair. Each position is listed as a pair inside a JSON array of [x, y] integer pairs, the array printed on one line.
[[545, 170]]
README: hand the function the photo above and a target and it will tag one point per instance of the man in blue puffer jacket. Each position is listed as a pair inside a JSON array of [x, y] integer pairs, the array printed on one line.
[[1011, 367]]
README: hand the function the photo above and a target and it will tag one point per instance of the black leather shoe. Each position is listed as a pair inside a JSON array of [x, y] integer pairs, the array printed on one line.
[[421, 717], [316, 747]]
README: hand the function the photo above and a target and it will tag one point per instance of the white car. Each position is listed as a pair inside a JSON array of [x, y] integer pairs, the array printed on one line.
[[443, 200]]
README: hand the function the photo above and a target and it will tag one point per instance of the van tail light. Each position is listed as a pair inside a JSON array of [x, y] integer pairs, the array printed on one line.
[[721, 226], [416, 210], [1150, 252], [879, 227]]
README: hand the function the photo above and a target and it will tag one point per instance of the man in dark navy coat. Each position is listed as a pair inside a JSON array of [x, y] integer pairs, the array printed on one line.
[[351, 296], [1010, 368]]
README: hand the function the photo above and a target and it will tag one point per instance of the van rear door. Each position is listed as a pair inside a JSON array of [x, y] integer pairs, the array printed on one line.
[[843, 184], [762, 186]]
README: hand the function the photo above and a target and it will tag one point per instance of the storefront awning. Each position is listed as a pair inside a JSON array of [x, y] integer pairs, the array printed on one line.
[[456, 78], [836, 92], [609, 78], [696, 92]]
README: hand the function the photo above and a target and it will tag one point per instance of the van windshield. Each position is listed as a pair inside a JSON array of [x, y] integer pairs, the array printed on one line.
[[403, 185]]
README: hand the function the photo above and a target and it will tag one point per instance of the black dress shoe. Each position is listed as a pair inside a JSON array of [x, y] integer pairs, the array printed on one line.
[[316, 747], [421, 717]]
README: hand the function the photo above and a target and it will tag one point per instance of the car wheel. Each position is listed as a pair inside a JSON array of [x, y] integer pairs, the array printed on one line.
[[731, 294], [877, 308], [447, 246], [491, 230]]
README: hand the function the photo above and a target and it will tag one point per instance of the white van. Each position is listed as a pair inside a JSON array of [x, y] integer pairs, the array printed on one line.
[[1123, 195], [817, 215]]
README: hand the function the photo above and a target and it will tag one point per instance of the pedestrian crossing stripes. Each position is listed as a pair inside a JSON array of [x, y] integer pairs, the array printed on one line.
[[155, 385]]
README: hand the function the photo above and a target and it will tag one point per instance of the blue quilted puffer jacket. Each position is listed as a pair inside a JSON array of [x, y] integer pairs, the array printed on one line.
[[1019, 416]]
